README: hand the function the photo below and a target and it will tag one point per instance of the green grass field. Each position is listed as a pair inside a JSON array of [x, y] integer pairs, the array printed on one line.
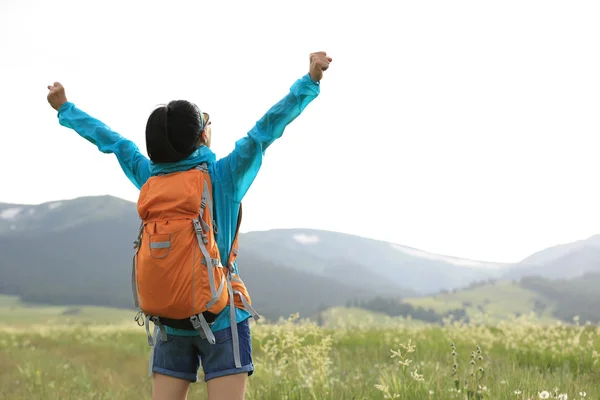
[[15, 314], [91, 357]]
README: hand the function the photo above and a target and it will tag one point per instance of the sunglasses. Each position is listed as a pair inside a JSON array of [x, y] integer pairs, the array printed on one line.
[[206, 121]]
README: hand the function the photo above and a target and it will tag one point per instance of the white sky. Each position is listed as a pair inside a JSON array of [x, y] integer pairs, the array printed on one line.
[[466, 128]]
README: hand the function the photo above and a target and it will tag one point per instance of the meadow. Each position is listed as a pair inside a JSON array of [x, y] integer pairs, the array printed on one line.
[[94, 353]]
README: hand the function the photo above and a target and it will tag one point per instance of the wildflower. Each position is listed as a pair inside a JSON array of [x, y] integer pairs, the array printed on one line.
[[416, 376], [563, 396], [517, 391], [383, 388], [582, 394], [544, 395]]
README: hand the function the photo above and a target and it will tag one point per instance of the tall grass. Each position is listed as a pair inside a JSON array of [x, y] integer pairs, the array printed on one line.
[[295, 359]]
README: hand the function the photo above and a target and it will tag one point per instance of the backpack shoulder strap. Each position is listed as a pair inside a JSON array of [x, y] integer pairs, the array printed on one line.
[[234, 246]]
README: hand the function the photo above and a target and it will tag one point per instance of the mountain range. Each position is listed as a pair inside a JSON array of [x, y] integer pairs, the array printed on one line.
[[79, 252]]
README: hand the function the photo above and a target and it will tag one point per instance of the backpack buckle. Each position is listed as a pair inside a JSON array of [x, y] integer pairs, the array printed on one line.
[[139, 318], [195, 322], [198, 227]]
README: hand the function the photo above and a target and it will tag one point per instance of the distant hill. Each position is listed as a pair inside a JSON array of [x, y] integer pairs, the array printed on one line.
[[556, 252], [574, 297], [56, 216], [497, 300], [548, 299], [569, 260], [381, 267], [79, 252]]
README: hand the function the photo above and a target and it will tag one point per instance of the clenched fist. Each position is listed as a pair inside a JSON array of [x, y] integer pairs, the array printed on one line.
[[319, 62], [56, 96]]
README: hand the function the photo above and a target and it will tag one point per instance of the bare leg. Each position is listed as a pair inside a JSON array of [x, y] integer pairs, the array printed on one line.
[[230, 387], [169, 388]]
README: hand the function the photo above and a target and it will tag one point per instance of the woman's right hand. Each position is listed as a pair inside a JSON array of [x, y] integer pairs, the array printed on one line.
[[56, 96]]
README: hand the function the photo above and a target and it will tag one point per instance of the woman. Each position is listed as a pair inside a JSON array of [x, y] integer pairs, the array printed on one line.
[[178, 138]]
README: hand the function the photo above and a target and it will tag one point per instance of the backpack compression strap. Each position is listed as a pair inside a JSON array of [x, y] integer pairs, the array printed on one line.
[[232, 313], [234, 251]]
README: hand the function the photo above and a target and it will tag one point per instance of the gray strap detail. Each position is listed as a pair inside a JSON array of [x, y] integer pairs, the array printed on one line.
[[200, 225], [152, 350], [199, 322], [202, 167], [234, 332], [205, 226], [205, 193], [150, 337], [200, 235], [247, 305], [134, 289], [163, 331], [215, 262], [160, 245], [136, 245], [157, 325], [211, 275], [219, 291]]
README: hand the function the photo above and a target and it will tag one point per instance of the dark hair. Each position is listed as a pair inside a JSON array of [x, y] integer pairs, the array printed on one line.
[[173, 131]]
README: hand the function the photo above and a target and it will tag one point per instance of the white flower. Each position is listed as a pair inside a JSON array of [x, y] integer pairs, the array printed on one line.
[[383, 388], [563, 396], [582, 394], [544, 395]]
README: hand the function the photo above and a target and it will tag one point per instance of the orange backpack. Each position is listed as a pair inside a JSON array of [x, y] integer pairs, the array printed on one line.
[[177, 276]]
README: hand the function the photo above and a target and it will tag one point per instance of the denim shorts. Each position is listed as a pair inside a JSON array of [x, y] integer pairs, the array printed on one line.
[[180, 356]]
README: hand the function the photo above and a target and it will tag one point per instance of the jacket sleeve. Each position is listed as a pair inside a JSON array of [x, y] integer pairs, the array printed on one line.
[[135, 165], [237, 170]]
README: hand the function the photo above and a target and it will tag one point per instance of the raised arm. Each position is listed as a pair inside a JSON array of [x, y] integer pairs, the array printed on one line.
[[135, 165], [237, 170]]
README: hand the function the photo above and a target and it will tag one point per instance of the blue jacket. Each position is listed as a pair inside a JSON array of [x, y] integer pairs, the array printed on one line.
[[231, 175]]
